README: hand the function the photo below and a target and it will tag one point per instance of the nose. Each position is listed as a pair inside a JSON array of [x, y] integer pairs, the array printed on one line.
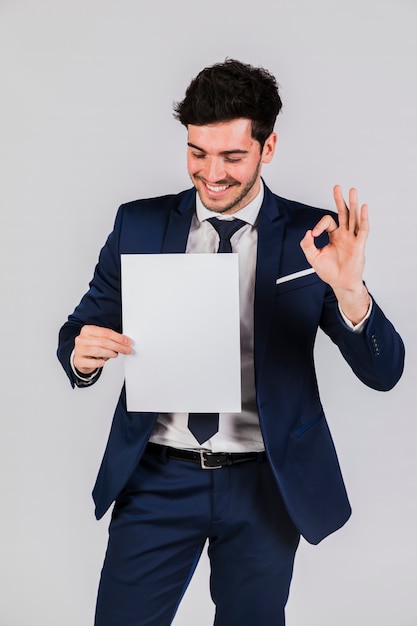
[[214, 170]]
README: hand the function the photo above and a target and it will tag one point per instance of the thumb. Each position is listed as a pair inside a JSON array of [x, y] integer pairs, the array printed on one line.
[[309, 247]]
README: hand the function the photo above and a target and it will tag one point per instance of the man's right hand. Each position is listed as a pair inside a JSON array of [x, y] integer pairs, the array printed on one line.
[[95, 345]]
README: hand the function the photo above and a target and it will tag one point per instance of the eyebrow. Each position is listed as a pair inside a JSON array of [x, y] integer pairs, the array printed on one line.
[[224, 152]]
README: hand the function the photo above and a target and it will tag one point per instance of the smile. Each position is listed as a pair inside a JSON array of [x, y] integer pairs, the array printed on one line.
[[216, 188]]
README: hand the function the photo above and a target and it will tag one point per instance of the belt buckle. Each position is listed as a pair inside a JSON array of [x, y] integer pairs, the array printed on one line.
[[203, 460]]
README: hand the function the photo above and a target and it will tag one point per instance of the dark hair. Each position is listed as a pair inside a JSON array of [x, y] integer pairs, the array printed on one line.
[[231, 90]]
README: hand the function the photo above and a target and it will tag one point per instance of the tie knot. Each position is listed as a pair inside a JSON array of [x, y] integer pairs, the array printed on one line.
[[226, 229]]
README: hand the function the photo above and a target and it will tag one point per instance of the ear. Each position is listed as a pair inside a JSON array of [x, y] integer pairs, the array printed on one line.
[[269, 148]]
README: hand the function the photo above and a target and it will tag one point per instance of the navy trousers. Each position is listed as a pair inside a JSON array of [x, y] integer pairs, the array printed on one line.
[[159, 526]]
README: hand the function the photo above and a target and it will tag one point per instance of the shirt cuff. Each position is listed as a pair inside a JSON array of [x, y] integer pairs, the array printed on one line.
[[357, 328]]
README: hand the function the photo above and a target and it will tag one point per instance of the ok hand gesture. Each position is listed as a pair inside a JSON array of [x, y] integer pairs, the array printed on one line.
[[341, 262]]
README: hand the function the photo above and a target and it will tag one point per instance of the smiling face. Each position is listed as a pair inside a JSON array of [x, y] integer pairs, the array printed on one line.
[[224, 162]]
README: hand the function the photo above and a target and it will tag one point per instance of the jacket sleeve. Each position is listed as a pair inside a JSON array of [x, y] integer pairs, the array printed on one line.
[[376, 354], [100, 306]]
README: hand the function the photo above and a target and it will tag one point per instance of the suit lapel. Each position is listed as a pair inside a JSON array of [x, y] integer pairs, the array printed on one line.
[[179, 222], [271, 226]]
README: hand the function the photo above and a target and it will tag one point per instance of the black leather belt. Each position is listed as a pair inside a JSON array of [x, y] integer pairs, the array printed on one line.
[[206, 459]]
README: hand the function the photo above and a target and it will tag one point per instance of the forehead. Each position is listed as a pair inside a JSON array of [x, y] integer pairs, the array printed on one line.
[[222, 136]]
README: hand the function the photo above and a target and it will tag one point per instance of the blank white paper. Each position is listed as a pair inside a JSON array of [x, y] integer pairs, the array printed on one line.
[[182, 313]]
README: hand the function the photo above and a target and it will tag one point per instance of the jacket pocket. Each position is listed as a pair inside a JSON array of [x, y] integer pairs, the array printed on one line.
[[297, 283], [311, 422]]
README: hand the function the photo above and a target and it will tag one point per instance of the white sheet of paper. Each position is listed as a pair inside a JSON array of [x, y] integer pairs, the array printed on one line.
[[182, 313]]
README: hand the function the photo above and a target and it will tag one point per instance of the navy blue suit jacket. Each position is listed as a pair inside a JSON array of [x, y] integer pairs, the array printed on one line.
[[297, 438]]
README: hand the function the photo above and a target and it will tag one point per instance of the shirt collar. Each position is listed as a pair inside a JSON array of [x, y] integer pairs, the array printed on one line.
[[248, 213]]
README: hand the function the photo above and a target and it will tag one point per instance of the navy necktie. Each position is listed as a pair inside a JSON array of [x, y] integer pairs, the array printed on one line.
[[205, 425]]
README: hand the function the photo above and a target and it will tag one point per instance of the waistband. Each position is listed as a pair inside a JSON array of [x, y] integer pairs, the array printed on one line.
[[205, 458]]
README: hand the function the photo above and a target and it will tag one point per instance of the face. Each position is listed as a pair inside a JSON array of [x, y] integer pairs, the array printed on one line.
[[224, 162]]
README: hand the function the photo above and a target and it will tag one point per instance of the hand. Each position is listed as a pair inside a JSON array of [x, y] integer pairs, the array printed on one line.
[[341, 262], [95, 345]]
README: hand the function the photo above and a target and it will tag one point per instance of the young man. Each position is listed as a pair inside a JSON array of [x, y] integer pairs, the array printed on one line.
[[268, 473]]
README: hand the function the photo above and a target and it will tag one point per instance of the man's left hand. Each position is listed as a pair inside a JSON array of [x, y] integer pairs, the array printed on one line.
[[341, 262]]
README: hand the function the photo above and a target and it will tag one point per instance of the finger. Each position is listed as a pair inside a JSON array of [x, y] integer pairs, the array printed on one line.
[[309, 247], [342, 209], [94, 351], [364, 216], [353, 211], [105, 333], [87, 365], [88, 358], [363, 223], [327, 223], [97, 346], [359, 221]]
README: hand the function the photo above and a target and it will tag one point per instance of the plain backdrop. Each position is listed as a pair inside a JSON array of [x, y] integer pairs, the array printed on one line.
[[87, 88]]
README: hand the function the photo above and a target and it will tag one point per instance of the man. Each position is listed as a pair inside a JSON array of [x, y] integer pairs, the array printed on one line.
[[259, 478]]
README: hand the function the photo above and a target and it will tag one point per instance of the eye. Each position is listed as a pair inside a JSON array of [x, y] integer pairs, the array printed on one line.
[[198, 155], [233, 159]]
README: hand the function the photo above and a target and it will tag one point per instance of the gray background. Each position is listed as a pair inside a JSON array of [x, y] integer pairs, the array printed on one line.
[[87, 88]]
